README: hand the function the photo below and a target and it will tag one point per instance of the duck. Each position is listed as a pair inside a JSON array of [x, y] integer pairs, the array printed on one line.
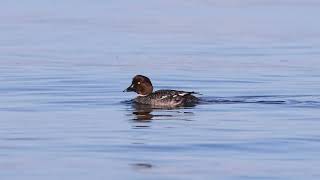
[[161, 98]]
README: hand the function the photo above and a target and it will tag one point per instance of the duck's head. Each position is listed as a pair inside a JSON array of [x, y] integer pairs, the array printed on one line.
[[141, 85]]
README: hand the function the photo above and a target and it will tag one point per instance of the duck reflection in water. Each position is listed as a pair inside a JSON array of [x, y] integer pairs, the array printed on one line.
[[142, 112], [146, 113]]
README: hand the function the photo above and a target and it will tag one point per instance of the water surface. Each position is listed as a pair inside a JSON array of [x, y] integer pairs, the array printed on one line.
[[63, 66]]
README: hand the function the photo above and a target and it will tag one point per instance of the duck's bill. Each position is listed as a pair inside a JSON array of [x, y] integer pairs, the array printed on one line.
[[129, 89]]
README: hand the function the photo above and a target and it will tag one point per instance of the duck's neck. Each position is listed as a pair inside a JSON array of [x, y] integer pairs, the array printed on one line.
[[142, 95]]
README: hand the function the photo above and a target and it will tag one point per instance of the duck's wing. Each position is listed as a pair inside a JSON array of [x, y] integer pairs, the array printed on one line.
[[183, 93], [175, 93]]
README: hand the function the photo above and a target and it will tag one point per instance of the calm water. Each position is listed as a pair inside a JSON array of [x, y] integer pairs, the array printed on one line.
[[63, 66]]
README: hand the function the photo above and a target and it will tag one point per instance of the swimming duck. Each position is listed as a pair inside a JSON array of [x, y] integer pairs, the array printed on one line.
[[161, 98]]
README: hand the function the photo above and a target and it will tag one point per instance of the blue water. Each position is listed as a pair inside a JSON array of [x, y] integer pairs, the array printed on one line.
[[64, 65]]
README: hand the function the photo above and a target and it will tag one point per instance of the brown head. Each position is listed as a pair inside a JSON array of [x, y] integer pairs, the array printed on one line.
[[141, 85]]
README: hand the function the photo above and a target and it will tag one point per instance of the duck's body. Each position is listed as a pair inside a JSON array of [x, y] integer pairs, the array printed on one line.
[[161, 98], [170, 98]]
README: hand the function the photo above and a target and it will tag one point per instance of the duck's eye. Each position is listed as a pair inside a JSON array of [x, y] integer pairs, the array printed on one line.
[[139, 82]]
